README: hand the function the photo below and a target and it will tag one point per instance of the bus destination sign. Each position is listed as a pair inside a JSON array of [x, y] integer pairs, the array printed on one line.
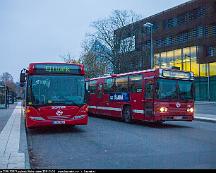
[[57, 69], [176, 74]]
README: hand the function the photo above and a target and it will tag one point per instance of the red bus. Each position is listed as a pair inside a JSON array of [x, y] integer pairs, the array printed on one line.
[[155, 95], [54, 94]]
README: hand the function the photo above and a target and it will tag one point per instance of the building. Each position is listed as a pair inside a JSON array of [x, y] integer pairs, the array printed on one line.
[[183, 36]]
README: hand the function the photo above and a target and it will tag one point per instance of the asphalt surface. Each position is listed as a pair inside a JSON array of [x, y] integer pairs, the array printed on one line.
[[5, 115], [111, 144]]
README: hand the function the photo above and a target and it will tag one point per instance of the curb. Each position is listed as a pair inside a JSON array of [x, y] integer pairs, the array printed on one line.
[[27, 162], [203, 103], [212, 120]]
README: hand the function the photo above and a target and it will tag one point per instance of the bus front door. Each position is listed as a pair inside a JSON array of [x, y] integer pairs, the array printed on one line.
[[149, 98], [99, 99]]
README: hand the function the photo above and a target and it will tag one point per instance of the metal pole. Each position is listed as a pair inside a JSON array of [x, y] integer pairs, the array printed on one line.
[[208, 82], [150, 26], [152, 56]]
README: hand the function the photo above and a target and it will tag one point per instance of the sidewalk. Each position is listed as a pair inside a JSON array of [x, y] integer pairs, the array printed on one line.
[[205, 111], [10, 155], [205, 117]]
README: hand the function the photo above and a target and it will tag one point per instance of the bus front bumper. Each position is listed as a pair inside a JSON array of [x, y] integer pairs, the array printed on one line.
[[174, 118], [44, 123]]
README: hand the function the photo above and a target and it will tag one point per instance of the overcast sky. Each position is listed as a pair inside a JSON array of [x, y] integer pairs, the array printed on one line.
[[41, 30]]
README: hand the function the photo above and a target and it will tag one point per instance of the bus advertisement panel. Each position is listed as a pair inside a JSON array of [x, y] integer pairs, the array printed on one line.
[[55, 94], [155, 95]]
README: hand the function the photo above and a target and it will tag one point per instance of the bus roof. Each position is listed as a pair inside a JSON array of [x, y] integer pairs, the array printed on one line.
[[123, 74], [138, 72]]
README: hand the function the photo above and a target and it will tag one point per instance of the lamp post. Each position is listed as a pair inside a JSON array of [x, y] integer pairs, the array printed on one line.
[[150, 26], [190, 59]]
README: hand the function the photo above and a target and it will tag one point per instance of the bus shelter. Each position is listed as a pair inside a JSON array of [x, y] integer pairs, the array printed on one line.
[[3, 97]]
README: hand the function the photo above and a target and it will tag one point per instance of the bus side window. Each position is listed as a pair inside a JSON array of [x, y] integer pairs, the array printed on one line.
[[87, 86], [149, 90], [122, 84], [135, 83], [109, 85], [100, 90], [92, 87]]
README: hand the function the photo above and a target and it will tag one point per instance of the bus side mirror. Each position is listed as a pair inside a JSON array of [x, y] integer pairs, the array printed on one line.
[[22, 77]]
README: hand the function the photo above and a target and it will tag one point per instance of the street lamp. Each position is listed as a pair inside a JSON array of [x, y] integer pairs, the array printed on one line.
[[150, 26]]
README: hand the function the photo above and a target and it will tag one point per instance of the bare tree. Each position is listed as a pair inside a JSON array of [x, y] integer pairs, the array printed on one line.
[[93, 67], [104, 32], [7, 80], [68, 58]]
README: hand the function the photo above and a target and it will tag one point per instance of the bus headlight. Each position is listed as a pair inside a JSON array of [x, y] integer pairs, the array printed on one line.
[[191, 110], [163, 109]]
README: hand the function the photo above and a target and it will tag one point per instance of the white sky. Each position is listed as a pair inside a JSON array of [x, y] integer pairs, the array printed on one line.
[[41, 30]]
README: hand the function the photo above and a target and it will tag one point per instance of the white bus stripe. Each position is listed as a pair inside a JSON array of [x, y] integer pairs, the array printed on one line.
[[138, 111], [105, 108], [92, 107], [108, 108]]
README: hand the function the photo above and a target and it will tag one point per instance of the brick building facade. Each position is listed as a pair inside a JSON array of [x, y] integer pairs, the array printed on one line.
[[183, 36]]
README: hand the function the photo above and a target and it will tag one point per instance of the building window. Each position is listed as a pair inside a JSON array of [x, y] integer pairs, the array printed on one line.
[[157, 59], [200, 32], [211, 51], [212, 69], [203, 70], [184, 58], [184, 18], [127, 44]]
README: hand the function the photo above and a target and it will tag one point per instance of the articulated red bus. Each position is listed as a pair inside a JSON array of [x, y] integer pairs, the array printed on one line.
[[54, 94], [155, 95]]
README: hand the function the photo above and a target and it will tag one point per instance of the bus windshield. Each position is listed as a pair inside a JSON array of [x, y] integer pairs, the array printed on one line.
[[174, 89], [55, 90]]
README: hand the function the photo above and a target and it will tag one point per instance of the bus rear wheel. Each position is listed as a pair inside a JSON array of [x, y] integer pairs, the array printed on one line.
[[127, 114]]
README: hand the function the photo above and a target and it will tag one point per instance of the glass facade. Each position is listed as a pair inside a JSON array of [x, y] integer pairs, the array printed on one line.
[[186, 59], [184, 37]]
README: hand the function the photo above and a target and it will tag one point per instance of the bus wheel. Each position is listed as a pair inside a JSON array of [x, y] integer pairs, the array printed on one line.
[[127, 114]]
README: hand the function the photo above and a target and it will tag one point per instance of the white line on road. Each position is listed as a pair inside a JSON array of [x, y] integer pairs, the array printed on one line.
[[10, 158]]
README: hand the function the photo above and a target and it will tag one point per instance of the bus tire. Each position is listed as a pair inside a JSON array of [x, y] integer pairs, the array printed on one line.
[[126, 113]]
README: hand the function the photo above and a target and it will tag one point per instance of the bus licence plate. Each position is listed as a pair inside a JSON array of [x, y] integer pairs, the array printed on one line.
[[178, 118], [58, 122]]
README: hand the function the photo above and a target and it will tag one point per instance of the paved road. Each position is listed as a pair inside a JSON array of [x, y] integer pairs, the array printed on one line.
[[5, 115], [106, 143]]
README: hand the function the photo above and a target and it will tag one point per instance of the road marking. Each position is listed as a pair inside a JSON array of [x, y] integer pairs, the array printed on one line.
[[205, 118], [10, 139]]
